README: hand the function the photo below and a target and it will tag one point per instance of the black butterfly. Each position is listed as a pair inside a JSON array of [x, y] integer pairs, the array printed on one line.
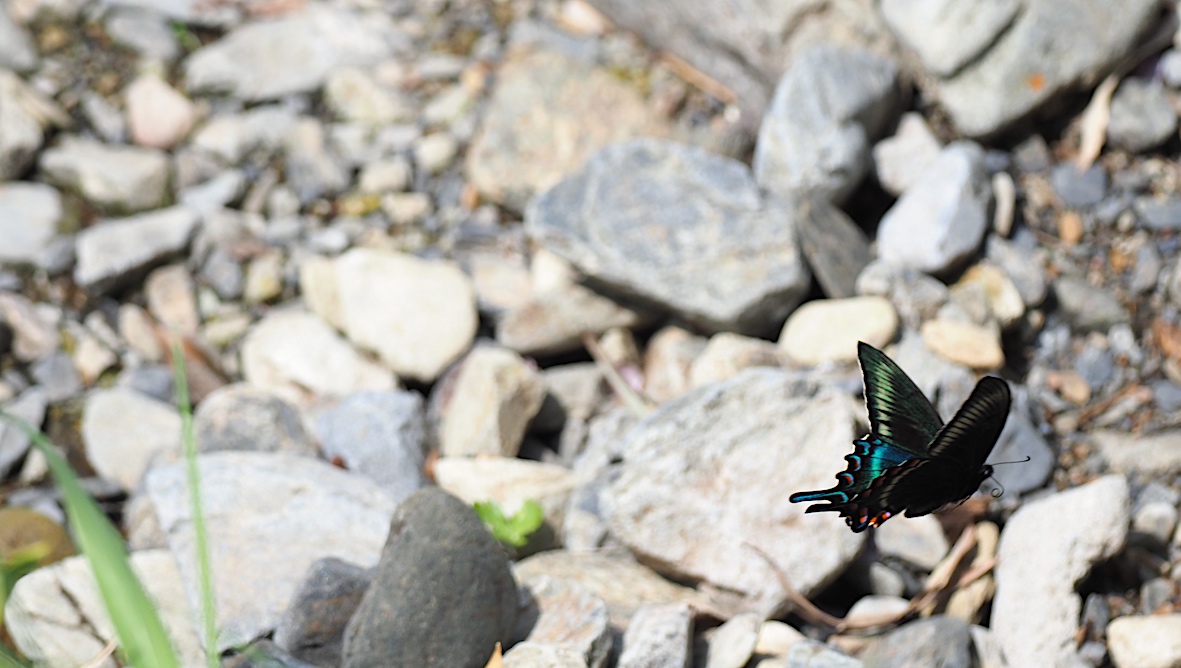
[[910, 461]]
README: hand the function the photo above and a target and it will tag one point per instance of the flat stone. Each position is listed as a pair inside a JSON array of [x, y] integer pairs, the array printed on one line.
[[727, 354], [936, 641], [837, 249], [298, 356], [29, 215], [327, 512], [1007, 83], [941, 220], [488, 406], [1079, 189], [542, 123], [529, 654], [704, 462], [709, 204], [143, 31], [443, 594], [418, 315], [568, 614], [1152, 641], [126, 433], [294, 53], [1156, 455], [624, 585], [1157, 214], [827, 330], [231, 136], [1089, 308], [659, 635], [964, 343], [555, 321], [380, 435], [815, 654], [1041, 553], [115, 252], [947, 35], [828, 108], [1142, 117], [118, 179], [900, 159], [246, 418]]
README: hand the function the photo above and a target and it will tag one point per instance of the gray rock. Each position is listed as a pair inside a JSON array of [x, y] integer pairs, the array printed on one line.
[[295, 53], [659, 636], [1049, 47], [29, 215], [641, 194], [916, 540], [935, 641], [33, 333], [17, 51], [144, 31], [1021, 439], [624, 585], [1087, 307], [231, 136], [119, 179], [380, 435], [27, 114], [312, 170], [443, 594], [746, 44], [1155, 456], [57, 375], [1158, 214], [125, 433], [837, 249], [940, 222], [1142, 117], [1022, 267], [813, 654], [312, 626], [223, 274], [563, 612], [1039, 552], [947, 34], [694, 455], [827, 110], [535, 655], [115, 252], [900, 159], [30, 406], [555, 321], [242, 417], [150, 380], [213, 194], [326, 512], [1079, 189]]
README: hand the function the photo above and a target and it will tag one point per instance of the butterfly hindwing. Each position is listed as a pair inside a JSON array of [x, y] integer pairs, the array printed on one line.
[[899, 412], [884, 477]]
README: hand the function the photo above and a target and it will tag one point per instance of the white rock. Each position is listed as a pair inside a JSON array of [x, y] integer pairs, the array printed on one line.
[[296, 354], [29, 214], [171, 298], [726, 354], [126, 432], [899, 160], [1156, 455], [733, 642], [918, 540], [118, 178], [269, 516], [1041, 558], [510, 482], [495, 395], [827, 330], [157, 115], [1145, 641], [417, 315], [964, 343], [113, 250], [354, 96], [659, 635], [57, 618]]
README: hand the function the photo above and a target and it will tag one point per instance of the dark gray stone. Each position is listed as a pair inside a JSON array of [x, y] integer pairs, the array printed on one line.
[[676, 226], [1021, 439], [1141, 116], [1096, 365], [1020, 264], [828, 109], [1079, 189], [57, 375], [244, 417], [1087, 307], [381, 435], [1050, 47], [1159, 215], [312, 627], [153, 380], [1167, 395], [443, 594], [836, 249], [936, 641]]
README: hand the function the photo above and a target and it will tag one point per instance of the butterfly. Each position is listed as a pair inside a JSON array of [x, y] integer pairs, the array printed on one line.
[[910, 461]]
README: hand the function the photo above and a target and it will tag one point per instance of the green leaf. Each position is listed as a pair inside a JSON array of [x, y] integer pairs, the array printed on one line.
[[10, 660], [528, 519], [515, 530]]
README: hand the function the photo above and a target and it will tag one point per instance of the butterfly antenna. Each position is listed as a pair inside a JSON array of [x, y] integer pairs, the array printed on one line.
[[1019, 461]]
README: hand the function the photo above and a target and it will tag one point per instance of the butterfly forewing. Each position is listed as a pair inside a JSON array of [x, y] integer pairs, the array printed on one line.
[[899, 412], [977, 425]]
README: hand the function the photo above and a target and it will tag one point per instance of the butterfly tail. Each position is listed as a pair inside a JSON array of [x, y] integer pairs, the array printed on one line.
[[832, 496]]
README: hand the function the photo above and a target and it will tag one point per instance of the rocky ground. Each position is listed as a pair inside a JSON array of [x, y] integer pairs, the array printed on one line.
[[614, 257]]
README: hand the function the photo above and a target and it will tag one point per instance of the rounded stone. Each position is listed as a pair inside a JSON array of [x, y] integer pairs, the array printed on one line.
[[827, 330]]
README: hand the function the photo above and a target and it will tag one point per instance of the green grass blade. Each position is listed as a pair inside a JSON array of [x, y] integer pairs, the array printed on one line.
[[141, 633], [200, 535], [10, 660]]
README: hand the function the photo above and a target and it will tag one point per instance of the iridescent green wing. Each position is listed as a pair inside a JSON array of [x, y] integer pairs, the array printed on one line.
[[899, 412]]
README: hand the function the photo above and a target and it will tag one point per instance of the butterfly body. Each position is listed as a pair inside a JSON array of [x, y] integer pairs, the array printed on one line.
[[911, 462]]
